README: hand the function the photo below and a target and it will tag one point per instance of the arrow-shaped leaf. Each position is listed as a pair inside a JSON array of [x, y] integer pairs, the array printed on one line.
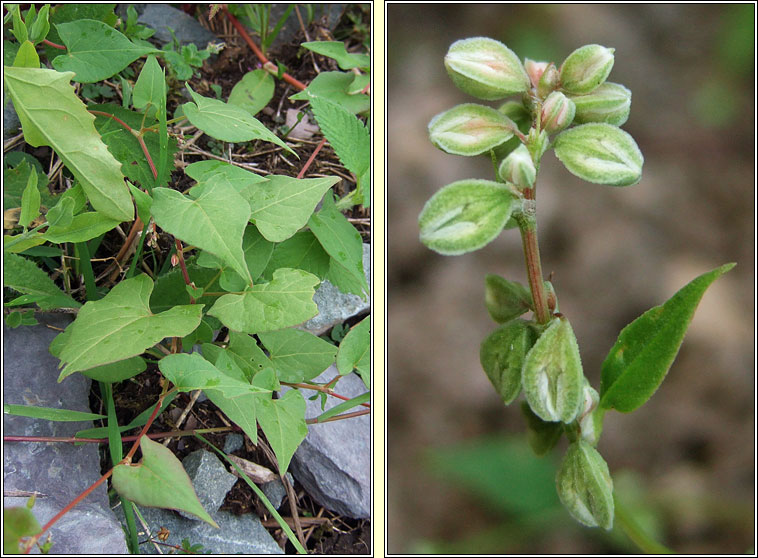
[[645, 349], [158, 481], [121, 325], [286, 301], [283, 422], [51, 114], [297, 355], [215, 221]]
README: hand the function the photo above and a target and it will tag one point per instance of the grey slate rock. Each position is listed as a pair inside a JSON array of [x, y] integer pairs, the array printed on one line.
[[334, 461], [334, 306], [163, 17], [275, 491], [59, 471], [328, 14], [211, 478], [233, 442]]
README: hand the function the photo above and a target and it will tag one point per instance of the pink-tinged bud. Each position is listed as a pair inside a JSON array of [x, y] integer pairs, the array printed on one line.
[[534, 70], [586, 68], [549, 82], [557, 112], [174, 260], [485, 68], [518, 168], [470, 129]]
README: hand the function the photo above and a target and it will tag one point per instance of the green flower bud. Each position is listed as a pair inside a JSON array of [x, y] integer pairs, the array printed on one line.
[[542, 436], [502, 356], [537, 143], [505, 299], [485, 68], [549, 81], [470, 129], [608, 103], [518, 168], [585, 487], [557, 112], [600, 153], [586, 68], [552, 376]]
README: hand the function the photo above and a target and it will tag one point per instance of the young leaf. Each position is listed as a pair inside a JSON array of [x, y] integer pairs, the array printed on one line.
[[283, 422], [253, 91], [355, 350], [121, 325], [334, 86], [282, 205], [95, 51], [645, 349], [215, 221], [30, 201], [150, 88], [337, 50], [600, 153], [465, 216], [227, 122], [18, 522], [297, 355], [23, 275], [81, 228], [158, 481], [340, 239], [51, 114], [285, 301], [27, 56]]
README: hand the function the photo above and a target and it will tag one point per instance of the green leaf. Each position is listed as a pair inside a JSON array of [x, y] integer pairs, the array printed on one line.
[[82, 227], [121, 325], [126, 148], [600, 153], [355, 350], [334, 86], [337, 50], [285, 301], [227, 122], [158, 481], [505, 299], [470, 129], [205, 172], [95, 51], [502, 355], [18, 522], [642, 355], [117, 371], [465, 216], [15, 179], [61, 215], [236, 397], [297, 355], [30, 201], [257, 252], [346, 134], [215, 221], [150, 88], [51, 114], [26, 57], [300, 251], [344, 406], [253, 91], [282, 205], [283, 422], [48, 413], [40, 27], [340, 239], [143, 201], [22, 275], [169, 288], [541, 435]]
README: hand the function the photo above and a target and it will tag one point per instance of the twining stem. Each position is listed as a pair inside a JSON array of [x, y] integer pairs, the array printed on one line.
[[528, 226]]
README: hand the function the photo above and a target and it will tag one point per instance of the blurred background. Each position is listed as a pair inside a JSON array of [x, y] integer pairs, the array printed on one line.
[[460, 477]]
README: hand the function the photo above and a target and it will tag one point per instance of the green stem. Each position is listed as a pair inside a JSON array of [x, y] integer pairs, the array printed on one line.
[[86, 268], [627, 524]]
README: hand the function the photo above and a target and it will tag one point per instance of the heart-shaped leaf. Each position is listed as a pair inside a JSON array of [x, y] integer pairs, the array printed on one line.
[[158, 481], [283, 422]]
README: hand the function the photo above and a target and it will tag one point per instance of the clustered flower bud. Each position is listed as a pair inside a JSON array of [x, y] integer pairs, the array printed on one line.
[[534, 70], [518, 168], [609, 103], [485, 68], [557, 112], [586, 68], [549, 81]]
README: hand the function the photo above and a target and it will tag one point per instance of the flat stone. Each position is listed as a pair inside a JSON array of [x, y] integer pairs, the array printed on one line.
[[163, 17], [243, 534], [233, 442], [209, 477], [275, 490], [328, 15], [57, 470], [334, 306], [334, 461]]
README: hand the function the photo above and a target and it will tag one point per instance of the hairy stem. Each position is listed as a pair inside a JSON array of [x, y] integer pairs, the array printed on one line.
[[527, 223]]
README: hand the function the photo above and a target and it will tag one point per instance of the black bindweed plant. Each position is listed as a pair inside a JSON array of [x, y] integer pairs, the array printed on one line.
[[572, 109]]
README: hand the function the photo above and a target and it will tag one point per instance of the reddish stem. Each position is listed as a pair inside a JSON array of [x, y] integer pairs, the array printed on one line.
[[258, 52], [156, 436], [138, 136], [311, 158], [339, 417], [324, 390], [180, 257], [54, 45]]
